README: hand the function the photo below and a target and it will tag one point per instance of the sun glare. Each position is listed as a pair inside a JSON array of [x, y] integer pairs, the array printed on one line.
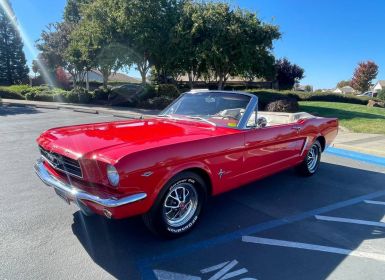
[[26, 40]]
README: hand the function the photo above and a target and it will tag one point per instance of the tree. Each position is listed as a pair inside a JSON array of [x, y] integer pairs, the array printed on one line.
[[98, 35], [61, 78], [53, 44], [343, 83], [185, 45], [148, 31], [74, 9], [233, 42], [363, 75], [13, 68], [288, 74], [57, 47], [35, 67]]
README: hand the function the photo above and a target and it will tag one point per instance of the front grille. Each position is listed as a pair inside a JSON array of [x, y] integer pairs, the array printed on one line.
[[62, 163]]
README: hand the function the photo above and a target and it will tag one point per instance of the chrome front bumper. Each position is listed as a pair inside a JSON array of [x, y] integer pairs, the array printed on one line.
[[79, 195]]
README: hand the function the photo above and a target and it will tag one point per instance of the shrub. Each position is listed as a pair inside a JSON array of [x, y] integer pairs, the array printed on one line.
[[30, 95], [72, 97], [146, 93], [289, 105], [84, 97], [5, 92], [169, 90], [18, 88], [43, 97], [158, 102], [60, 97], [381, 95], [100, 94]]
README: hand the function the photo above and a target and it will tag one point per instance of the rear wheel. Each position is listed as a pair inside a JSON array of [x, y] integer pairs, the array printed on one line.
[[310, 164], [178, 207]]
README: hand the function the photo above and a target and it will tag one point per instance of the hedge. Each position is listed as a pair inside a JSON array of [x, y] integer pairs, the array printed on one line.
[[169, 90], [267, 96], [8, 92], [381, 95]]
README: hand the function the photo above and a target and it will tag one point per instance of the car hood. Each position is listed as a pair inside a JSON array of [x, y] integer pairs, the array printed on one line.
[[113, 140]]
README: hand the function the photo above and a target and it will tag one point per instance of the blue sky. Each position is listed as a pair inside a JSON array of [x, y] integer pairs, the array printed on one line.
[[326, 37]]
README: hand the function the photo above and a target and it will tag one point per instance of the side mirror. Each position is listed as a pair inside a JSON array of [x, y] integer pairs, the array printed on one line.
[[261, 122]]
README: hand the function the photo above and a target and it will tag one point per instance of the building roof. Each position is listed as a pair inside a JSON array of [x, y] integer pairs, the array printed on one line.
[[120, 77], [381, 82]]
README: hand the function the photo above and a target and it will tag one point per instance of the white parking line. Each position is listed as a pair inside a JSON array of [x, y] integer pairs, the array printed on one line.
[[350, 221], [168, 275], [375, 202], [313, 247]]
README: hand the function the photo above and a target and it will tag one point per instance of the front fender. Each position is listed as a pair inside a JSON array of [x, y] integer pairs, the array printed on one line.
[[173, 170]]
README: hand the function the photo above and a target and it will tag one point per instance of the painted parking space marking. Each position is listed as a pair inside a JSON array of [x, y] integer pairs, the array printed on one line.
[[220, 271], [350, 221], [313, 247], [169, 275], [224, 269], [144, 265], [376, 202]]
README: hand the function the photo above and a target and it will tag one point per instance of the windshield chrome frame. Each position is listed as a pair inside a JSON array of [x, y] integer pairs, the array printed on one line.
[[250, 108]]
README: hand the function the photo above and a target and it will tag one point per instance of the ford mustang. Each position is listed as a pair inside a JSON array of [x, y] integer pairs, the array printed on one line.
[[165, 167]]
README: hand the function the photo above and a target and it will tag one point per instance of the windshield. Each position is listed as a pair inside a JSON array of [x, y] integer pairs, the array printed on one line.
[[219, 108]]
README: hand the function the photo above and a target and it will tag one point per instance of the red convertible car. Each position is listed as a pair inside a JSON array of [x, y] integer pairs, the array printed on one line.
[[164, 168]]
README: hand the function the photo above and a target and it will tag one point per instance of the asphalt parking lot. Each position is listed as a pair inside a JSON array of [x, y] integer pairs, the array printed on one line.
[[331, 225]]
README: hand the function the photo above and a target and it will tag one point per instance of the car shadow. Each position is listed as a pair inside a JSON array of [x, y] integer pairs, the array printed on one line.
[[17, 110], [117, 245]]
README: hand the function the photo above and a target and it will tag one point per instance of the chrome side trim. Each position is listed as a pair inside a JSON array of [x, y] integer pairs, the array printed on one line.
[[304, 146], [76, 195]]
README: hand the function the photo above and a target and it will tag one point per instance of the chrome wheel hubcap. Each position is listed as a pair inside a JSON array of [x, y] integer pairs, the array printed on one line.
[[180, 204], [312, 158]]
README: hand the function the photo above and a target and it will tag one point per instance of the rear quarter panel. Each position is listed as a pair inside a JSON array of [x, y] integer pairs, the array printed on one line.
[[319, 127]]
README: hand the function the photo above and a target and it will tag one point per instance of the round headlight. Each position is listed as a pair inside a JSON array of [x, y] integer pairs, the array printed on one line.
[[113, 175]]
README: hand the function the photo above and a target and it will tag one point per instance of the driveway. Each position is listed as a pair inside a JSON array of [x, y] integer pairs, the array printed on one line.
[[283, 227]]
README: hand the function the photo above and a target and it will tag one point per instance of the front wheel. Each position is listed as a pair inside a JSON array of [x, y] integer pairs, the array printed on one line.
[[178, 207], [310, 164]]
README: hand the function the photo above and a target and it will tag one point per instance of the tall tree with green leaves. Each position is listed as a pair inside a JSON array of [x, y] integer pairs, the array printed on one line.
[[98, 36], [13, 68], [57, 47], [149, 30], [234, 41]]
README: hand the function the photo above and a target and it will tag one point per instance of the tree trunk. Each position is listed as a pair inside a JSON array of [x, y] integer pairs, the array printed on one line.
[[87, 82], [190, 80], [106, 72], [144, 77], [220, 82]]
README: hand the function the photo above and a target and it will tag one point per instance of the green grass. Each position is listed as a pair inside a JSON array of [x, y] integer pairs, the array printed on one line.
[[356, 118]]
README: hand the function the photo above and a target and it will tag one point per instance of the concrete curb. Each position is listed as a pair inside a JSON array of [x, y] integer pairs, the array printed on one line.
[[89, 111], [44, 106], [126, 113]]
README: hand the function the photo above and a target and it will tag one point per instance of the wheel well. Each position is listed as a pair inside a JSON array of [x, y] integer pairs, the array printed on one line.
[[205, 176], [322, 141]]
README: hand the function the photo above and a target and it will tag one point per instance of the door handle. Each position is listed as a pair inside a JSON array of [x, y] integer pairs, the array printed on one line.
[[297, 128]]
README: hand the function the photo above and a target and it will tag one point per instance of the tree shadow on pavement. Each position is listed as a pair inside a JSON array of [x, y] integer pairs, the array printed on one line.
[[17, 110], [117, 245]]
